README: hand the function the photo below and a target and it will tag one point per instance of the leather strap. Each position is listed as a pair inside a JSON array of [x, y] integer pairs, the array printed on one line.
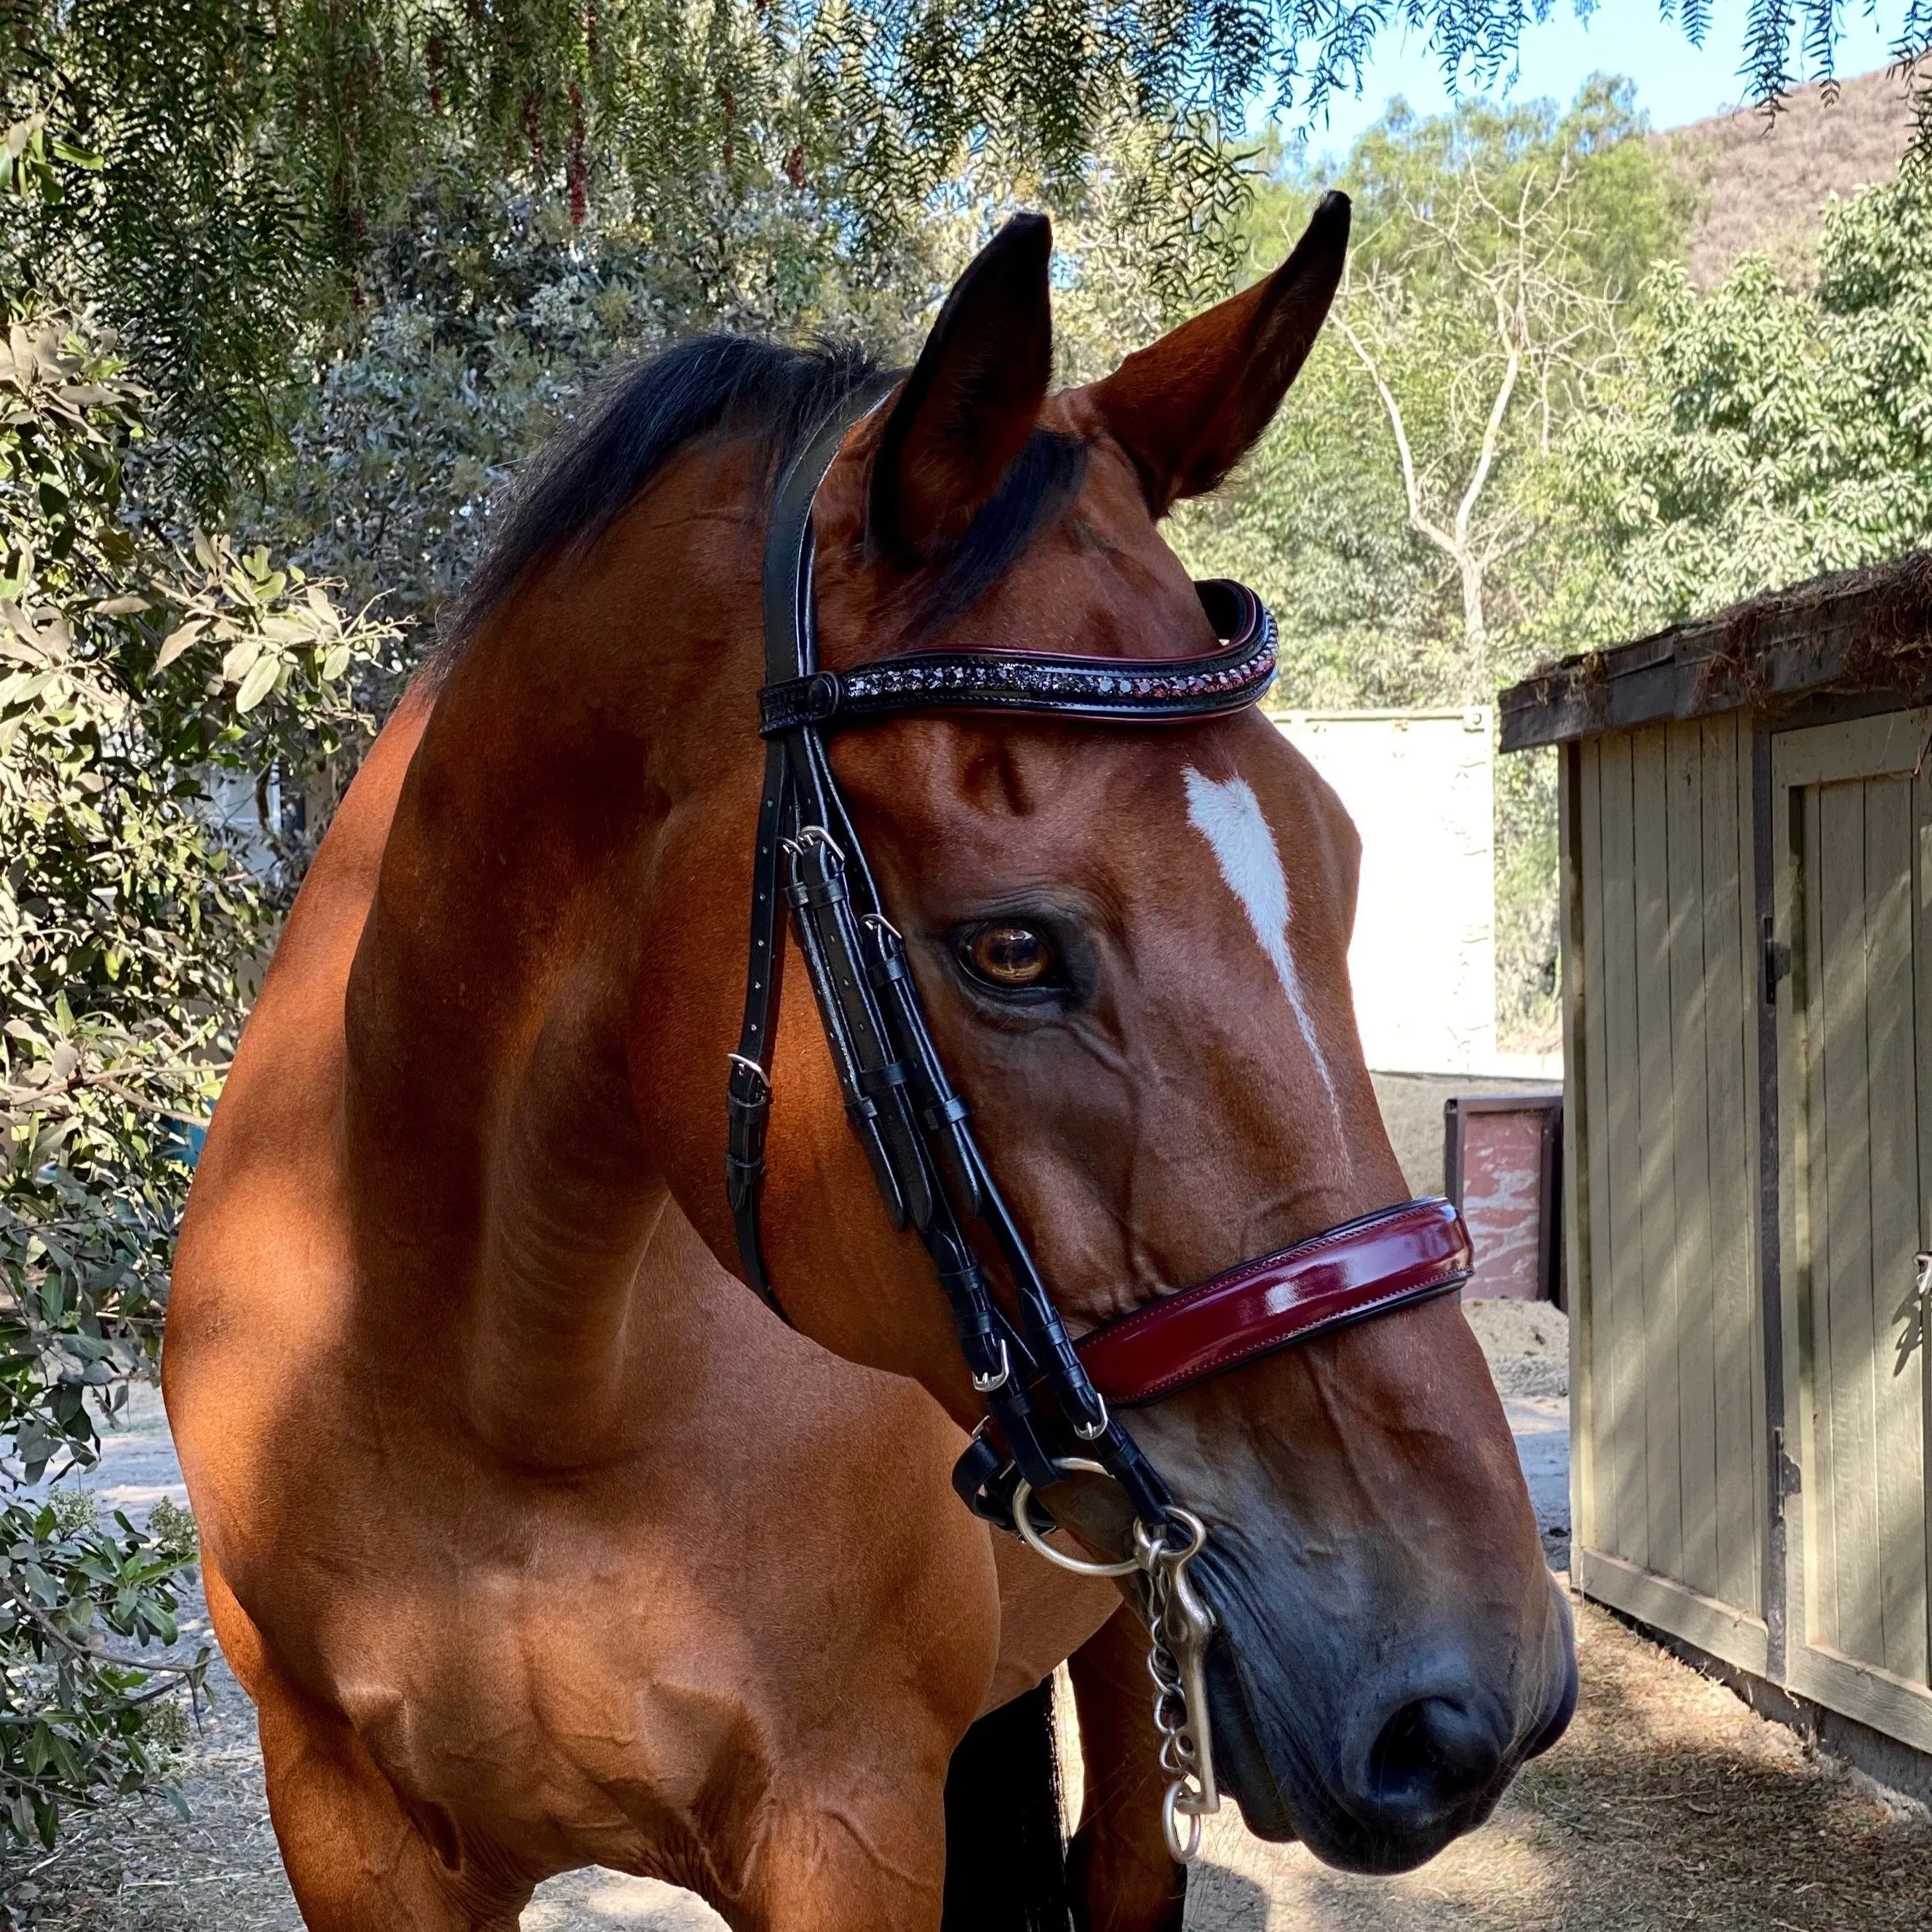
[[788, 636], [748, 1094], [1096, 690], [911, 1124], [1363, 1268]]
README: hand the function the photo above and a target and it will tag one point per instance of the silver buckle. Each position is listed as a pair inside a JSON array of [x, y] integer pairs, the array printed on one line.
[[985, 1385], [751, 1066]]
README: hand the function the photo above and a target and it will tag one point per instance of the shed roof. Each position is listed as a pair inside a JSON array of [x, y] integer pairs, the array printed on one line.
[[1855, 630]]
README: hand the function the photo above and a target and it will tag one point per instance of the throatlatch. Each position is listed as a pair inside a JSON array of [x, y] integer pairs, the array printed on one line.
[[1048, 1413]]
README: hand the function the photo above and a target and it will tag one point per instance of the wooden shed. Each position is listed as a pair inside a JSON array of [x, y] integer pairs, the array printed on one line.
[[1747, 933]]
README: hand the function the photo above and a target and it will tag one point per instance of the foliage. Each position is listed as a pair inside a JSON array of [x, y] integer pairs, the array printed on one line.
[[1757, 435], [79, 1717], [1373, 613], [489, 316], [137, 672], [257, 155], [265, 167]]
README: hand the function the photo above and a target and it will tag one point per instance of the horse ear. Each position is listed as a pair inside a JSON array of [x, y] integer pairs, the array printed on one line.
[[1189, 408], [970, 403]]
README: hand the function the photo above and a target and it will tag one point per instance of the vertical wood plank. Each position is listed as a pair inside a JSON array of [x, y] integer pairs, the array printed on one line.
[[1690, 1169], [1599, 1365], [1842, 1150], [1581, 997], [1922, 980], [1737, 1367], [1621, 1286], [1815, 1604], [1746, 979], [1892, 1137], [1657, 1212]]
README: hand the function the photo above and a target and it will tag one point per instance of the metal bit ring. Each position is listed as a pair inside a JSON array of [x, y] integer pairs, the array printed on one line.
[[1080, 1566]]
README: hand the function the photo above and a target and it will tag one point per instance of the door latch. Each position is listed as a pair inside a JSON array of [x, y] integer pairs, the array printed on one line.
[[1776, 962]]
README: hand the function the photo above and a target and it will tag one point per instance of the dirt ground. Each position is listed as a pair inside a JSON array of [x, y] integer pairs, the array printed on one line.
[[1669, 1804], [1527, 1344]]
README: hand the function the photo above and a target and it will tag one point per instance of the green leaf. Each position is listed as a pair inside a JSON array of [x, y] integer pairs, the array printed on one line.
[[259, 682], [178, 641], [242, 656]]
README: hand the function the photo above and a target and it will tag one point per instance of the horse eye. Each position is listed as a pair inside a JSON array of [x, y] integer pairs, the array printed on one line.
[[1011, 957]]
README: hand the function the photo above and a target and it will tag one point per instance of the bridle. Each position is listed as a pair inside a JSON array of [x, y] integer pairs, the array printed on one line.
[[1050, 1401]]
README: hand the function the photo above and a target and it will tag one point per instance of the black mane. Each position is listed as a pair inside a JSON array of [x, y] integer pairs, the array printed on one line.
[[592, 469], [732, 385]]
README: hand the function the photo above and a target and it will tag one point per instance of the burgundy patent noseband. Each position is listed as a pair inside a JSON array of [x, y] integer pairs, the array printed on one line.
[[1038, 1383], [1352, 1273]]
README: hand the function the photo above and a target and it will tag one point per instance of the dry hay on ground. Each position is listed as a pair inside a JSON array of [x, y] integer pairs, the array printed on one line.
[[1669, 1804]]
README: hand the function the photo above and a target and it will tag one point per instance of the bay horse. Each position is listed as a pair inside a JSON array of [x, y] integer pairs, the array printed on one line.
[[537, 1540]]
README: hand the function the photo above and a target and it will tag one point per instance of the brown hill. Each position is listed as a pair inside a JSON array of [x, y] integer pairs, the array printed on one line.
[[1761, 182]]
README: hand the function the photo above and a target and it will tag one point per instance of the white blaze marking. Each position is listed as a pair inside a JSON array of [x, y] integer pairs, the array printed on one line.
[[1227, 813]]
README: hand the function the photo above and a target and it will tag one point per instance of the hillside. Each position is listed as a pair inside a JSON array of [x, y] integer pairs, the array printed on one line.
[[1762, 182]]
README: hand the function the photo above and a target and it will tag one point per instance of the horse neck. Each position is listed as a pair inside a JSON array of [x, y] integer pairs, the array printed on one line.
[[510, 1210]]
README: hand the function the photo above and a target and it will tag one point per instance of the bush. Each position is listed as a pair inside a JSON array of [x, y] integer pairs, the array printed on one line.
[[142, 665]]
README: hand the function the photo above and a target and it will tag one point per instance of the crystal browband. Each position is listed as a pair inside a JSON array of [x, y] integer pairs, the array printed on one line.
[[1132, 690]]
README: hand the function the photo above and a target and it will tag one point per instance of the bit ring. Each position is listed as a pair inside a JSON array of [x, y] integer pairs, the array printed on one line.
[[1080, 1566]]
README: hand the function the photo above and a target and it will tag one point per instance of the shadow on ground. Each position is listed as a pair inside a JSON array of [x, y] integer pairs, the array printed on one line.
[[1669, 1804]]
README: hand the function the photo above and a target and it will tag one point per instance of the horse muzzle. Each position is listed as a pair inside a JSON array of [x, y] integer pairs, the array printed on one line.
[[1375, 1770]]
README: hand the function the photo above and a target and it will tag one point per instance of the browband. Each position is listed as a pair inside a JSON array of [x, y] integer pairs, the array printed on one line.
[[1133, 691], [1362, 1268]]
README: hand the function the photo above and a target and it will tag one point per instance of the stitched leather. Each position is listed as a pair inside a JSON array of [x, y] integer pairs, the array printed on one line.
[[1363, 1268]]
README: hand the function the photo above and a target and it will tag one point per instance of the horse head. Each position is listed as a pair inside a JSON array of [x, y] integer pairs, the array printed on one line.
[[1131, 943]]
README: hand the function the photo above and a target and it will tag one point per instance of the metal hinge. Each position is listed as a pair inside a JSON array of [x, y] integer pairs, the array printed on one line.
[[1776, 963], [1790, 1478]]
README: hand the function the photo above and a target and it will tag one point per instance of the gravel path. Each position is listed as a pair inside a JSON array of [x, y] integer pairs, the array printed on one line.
[[1669, 1805]]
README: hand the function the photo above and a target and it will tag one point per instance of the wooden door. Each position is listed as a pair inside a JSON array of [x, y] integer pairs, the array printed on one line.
[[1668, 1460], [1854, 1051]]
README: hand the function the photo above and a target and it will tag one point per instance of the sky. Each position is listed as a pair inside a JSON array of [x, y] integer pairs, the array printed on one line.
[[1676, 81]]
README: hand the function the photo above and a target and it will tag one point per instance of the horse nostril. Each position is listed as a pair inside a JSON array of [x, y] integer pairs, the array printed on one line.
[[1431, 1754]]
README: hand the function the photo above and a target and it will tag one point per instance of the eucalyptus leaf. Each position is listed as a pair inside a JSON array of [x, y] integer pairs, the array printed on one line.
[[243, 655]]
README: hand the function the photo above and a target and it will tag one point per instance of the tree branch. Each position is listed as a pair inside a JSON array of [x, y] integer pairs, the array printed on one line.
[[1412, 487], [91, 1653]]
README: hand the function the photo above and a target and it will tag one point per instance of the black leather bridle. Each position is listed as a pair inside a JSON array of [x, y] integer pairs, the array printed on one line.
[[912, 1124]]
